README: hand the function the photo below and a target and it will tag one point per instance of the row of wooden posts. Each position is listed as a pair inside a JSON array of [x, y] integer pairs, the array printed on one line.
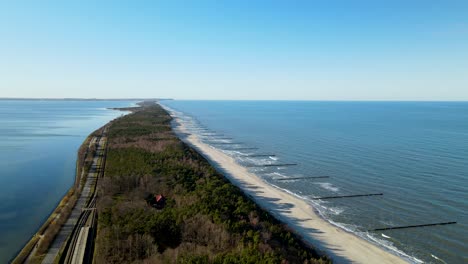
[[222, 137]]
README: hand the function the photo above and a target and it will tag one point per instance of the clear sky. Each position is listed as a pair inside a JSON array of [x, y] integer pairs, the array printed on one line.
[[291, 50]]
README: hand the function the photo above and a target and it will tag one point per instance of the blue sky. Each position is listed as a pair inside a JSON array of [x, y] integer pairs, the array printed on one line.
[[278, 50]]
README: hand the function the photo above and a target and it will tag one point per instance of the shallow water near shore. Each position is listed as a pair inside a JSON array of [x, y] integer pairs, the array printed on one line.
[[38, 148], [415, 153]]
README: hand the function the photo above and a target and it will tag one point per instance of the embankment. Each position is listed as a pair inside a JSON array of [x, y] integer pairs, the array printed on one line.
[[33, 251]]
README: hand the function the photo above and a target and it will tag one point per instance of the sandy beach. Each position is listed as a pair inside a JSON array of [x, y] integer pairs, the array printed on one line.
[[340, 245]]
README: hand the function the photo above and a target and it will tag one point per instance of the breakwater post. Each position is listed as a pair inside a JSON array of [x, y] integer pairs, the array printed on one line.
[[346, 196], [272, 165], [301, 178], [412, 226]]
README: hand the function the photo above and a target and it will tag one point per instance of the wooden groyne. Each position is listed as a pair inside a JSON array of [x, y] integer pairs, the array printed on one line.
[[226, 143], [346, 196], [243, 149], [301, 178], [272, 165], [412, 226]]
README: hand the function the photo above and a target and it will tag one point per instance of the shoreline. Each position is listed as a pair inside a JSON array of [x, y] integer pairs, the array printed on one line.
[[27, 251], [337, 243]]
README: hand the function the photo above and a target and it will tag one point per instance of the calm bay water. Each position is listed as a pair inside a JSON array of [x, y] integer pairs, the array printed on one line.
[[416, 153], [38, 146]]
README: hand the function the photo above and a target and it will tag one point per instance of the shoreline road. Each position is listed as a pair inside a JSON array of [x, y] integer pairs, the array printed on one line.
[[80, 213]]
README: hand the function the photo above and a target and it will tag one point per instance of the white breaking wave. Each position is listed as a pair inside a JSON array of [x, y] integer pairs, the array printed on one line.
[[389, 246], [278, 175], [328, 186], [320, 208], [441, 260], [257, 161], [335, 210]]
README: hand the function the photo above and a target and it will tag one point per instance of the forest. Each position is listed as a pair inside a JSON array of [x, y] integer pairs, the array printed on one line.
[[205, 219]]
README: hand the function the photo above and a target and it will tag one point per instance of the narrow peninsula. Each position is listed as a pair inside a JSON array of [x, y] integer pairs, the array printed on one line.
[[152, 198], [203, 218]]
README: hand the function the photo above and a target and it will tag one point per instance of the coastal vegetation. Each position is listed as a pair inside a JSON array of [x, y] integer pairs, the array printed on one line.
[[205, 218]]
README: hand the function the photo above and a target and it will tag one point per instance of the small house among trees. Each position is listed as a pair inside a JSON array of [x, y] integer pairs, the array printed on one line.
[[157, 201]]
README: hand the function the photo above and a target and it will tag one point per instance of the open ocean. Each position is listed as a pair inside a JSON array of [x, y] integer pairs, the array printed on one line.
[[415, 153], [38, 148]]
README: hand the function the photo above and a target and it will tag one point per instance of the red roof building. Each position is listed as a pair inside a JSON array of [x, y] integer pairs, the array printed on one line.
[[159, 201]]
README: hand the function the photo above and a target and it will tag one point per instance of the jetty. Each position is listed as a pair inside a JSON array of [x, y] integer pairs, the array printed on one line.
[[412, 226], [272, 165], [301, 178], [346, 196], [243, 148], [226, 143]]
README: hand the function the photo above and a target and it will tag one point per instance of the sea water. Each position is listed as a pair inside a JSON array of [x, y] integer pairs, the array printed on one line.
[[415, 153], [38, 149]]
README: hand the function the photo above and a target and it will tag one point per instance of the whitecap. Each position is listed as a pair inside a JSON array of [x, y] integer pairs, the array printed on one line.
[[441, 260], [335, 210], [277, 175], [328, 186], [391, 247]]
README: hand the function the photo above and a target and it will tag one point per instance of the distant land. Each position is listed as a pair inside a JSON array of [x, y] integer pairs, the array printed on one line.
[[166, 99], [83, 99]]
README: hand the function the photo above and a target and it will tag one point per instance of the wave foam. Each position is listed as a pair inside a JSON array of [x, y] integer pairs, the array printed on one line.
[[389, 246], [322, 210], [328, 186], [439, 259], [277, 175]]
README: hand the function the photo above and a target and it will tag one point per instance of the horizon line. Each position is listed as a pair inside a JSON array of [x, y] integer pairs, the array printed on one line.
[[253, 100]]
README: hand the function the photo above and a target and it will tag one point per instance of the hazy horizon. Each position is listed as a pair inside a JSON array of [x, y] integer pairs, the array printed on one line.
[[272, 100]]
